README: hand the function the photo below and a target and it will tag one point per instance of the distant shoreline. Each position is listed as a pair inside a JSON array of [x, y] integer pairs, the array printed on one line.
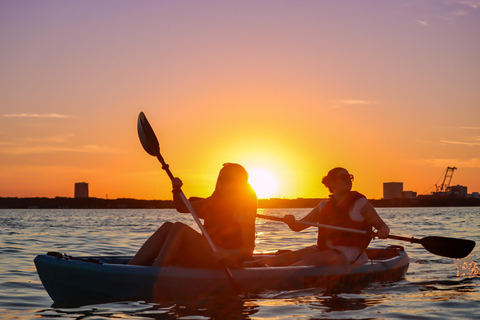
[[127, 203]]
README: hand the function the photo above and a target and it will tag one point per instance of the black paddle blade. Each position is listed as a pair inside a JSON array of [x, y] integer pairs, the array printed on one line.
[[448, 247], [147, 136]]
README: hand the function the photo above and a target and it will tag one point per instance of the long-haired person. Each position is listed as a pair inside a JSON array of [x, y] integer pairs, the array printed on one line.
[[229, 219]]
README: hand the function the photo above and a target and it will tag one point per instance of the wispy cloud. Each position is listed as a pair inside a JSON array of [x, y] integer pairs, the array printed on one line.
[[428, 142], [25, 150], [423, 23], [351, 102], [50, 144], [470, 128], [459, 13], [450, 11], [355, 102], [471, 144], [475, 4], [443, 163], [466, 10], [460, 127], [50, 139], [456, 135], [35, 115]]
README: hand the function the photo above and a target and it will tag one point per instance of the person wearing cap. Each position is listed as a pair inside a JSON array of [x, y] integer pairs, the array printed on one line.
[[346, 209]]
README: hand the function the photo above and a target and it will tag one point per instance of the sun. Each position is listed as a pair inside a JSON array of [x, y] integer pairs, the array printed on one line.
[[263, 182]]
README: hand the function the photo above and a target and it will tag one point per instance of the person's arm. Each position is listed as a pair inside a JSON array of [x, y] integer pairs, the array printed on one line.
[[372, 217], [198, 204], [312, 216]]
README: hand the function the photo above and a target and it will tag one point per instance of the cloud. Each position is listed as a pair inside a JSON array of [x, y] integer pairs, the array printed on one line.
[[355, 102], [50, 139], [428, 142], [351, 102], [451, 127], [35, 115], [50, 144], [26, 150], [423, 23], [450, 11], [461, 143], [459, 13], [443, 163], [475, 4], [470, 140]]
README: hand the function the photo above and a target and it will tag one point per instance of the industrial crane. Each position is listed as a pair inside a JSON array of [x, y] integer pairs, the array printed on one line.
[[448, 175]]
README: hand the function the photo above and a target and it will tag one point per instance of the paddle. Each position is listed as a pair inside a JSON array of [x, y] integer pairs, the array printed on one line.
[[442, 246], [150, 144]]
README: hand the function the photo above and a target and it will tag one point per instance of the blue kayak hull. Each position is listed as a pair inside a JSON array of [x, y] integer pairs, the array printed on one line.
[[100, 279]]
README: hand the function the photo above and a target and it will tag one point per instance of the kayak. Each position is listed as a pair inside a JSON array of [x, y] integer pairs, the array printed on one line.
[[97, 279], [74, 280]]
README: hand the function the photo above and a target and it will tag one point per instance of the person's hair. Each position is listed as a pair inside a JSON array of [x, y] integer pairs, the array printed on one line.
[[331, 176], [236, 172], [241, 188]]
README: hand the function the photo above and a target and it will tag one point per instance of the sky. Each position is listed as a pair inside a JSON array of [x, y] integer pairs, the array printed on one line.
[[289, 89]]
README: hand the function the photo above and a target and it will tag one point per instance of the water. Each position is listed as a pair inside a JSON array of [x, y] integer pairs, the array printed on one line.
[[434, 287]]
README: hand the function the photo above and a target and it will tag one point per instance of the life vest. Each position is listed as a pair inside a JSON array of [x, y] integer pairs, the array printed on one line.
[[224, 230], [335, 215], [222, 224]]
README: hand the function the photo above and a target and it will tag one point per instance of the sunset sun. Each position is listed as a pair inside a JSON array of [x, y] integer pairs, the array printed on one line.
[[263, 182]]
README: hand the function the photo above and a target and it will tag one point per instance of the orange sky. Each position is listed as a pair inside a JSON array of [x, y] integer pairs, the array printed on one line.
[[387, 89]]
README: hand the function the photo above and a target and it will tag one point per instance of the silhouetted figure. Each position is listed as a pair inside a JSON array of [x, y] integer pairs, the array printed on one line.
[[345, 208], [229, 219]]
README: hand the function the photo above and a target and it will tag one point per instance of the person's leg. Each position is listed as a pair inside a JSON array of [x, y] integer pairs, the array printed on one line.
[[328, 257], [185, 247], [150, 249], [284, 259]]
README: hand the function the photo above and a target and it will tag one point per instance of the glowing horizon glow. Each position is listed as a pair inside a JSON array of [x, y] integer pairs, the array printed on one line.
[[264, 182]]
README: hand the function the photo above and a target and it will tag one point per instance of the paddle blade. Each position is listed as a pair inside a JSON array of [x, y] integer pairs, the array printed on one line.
[[147, 136], [448, 247]]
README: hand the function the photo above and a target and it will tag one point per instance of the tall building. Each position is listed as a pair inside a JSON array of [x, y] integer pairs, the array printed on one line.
[[81, 190], [392, 190]]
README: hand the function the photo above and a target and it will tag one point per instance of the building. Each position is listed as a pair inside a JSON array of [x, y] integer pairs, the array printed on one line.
[[81, 190], [409, 194], [392, 190], [458, 191], [474, 195]]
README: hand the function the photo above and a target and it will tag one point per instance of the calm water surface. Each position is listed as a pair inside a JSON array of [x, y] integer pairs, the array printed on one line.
[[434, 287]]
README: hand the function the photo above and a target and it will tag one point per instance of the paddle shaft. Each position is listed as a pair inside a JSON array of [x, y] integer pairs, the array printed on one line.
[[150, 144], [411, 240], [263, 216], [442, 246], [200, 225], [188, 205], [313, 224]]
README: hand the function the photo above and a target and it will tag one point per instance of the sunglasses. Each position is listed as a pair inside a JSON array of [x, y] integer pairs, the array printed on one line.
[[345, 177]]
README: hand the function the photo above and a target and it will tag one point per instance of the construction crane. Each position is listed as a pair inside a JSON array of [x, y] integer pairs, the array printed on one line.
[[448, 175]]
